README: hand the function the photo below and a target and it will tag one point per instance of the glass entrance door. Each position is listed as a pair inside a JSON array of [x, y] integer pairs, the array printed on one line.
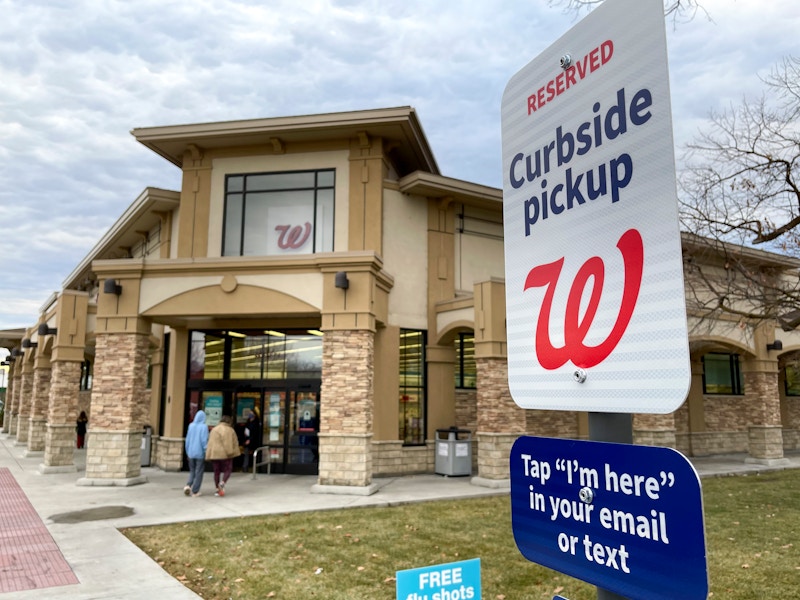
[[302, 432], [290, 428]]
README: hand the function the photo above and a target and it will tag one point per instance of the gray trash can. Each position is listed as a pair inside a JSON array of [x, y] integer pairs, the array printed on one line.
[[147, 437], [453, 451]]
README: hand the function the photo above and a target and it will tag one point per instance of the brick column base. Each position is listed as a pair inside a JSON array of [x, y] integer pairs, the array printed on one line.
[[345, 464], [37, 434], [113, 458], [59, 450], [765, 444], [494, 450], [168, 453], [12, 424]]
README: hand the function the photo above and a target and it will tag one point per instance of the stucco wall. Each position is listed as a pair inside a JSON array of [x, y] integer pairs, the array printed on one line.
[[405, 250]]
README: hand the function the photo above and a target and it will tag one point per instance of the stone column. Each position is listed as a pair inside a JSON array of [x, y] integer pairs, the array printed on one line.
[[500, 420], [8, 409], [350, 317], [24, 401], [763, 412], [16, 391], [68, 330], [37, 422], [113, 455], [763, 400], [345, 438], [62, 411]]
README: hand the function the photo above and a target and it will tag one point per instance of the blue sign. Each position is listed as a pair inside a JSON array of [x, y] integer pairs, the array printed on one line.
[[451, 581], [628, 519]]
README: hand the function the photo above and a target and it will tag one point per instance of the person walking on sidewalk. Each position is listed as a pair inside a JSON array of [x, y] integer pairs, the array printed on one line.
[[195, 445], [251, 439], [223, 447], [80, 429]]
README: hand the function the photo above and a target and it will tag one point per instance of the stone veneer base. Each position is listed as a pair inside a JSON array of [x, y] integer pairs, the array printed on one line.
[[91, 481], [345, 490], [768, 462], [504, 484], [45, 470]]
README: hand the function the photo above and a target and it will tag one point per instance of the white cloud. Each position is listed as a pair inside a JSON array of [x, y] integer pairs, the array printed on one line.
[[78, 75]]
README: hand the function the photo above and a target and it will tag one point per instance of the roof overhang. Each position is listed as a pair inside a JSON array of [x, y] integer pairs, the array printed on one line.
[[695, 243], [399, 126], [142, 216], [456, 190]]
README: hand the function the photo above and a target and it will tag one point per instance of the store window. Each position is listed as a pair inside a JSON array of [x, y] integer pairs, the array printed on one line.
[[268, 214], [413, 404], [86, 375], [257, 355], [466, 373], [792, 379], [722, 374]]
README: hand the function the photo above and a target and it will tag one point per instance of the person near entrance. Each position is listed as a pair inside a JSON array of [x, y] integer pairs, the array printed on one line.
[[195, 445], [223, 447], [251, 438]]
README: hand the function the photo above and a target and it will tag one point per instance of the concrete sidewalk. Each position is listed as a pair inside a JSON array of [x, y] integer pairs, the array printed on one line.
[[84, 520]]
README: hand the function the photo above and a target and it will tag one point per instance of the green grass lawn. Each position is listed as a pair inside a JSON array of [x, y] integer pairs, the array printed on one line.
[[752, 526]]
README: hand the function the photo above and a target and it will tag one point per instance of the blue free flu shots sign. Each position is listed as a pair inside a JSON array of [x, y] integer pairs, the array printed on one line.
[[452, 581], [628, 519]]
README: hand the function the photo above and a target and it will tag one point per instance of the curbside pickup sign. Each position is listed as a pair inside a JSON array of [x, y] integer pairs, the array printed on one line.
[[628, 519], [594, 273]]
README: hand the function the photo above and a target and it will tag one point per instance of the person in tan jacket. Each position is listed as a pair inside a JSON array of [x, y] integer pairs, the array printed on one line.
[[223, 447]]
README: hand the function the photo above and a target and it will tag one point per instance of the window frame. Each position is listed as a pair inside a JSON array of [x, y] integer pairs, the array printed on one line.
[[315, 205], [734, 371], [405, 390], [460, 371]]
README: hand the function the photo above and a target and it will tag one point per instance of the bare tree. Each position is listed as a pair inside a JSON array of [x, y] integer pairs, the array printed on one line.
[[677, 10], [739, 193]]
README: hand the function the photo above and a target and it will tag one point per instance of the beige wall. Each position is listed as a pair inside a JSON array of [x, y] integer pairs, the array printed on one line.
[[405, 244], [305, 287], [479, 254]]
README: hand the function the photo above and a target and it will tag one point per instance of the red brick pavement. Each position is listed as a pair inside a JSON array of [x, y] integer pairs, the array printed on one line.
[[29, 557]]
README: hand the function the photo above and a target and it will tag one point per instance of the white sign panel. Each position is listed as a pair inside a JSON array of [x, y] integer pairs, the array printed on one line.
[[594, 279]]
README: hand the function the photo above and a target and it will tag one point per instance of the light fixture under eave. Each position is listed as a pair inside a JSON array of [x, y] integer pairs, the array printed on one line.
[[776, 345], [27, 343], [45, 330], [110, 286], [341, 280]]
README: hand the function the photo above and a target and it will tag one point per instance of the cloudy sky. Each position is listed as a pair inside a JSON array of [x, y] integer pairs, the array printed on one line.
[[77, 75]]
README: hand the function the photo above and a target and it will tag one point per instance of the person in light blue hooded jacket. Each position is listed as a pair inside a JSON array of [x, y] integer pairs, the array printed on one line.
[[195, 445]]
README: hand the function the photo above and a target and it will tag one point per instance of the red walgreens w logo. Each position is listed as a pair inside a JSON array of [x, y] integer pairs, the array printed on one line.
[[575, 329], [293, 237]]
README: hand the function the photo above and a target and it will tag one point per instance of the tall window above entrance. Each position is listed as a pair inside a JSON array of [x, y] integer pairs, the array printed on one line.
[[268, 214], [412, 386]]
